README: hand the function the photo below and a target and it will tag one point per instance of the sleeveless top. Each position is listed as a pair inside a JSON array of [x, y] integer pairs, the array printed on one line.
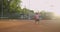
[[36, 16]]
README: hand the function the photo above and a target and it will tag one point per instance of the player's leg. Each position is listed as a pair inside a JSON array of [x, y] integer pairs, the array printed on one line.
[[38, 21], [35, 21]]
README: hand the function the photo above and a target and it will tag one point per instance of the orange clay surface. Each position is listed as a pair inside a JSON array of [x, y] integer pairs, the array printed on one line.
[[29, 26]]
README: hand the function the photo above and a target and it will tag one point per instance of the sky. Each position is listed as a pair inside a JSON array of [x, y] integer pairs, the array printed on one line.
[[38, 5]]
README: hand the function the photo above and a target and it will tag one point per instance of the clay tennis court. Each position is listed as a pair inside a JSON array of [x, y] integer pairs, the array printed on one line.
[[29, 26]]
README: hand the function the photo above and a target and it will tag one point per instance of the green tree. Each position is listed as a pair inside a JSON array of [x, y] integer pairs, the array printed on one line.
[[49, 15], [46, 15], [43, 14], [8, 7], [15, 6], [27, 12]]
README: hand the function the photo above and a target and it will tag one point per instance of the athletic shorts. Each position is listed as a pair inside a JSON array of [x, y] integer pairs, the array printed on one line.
[[36, 19]]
